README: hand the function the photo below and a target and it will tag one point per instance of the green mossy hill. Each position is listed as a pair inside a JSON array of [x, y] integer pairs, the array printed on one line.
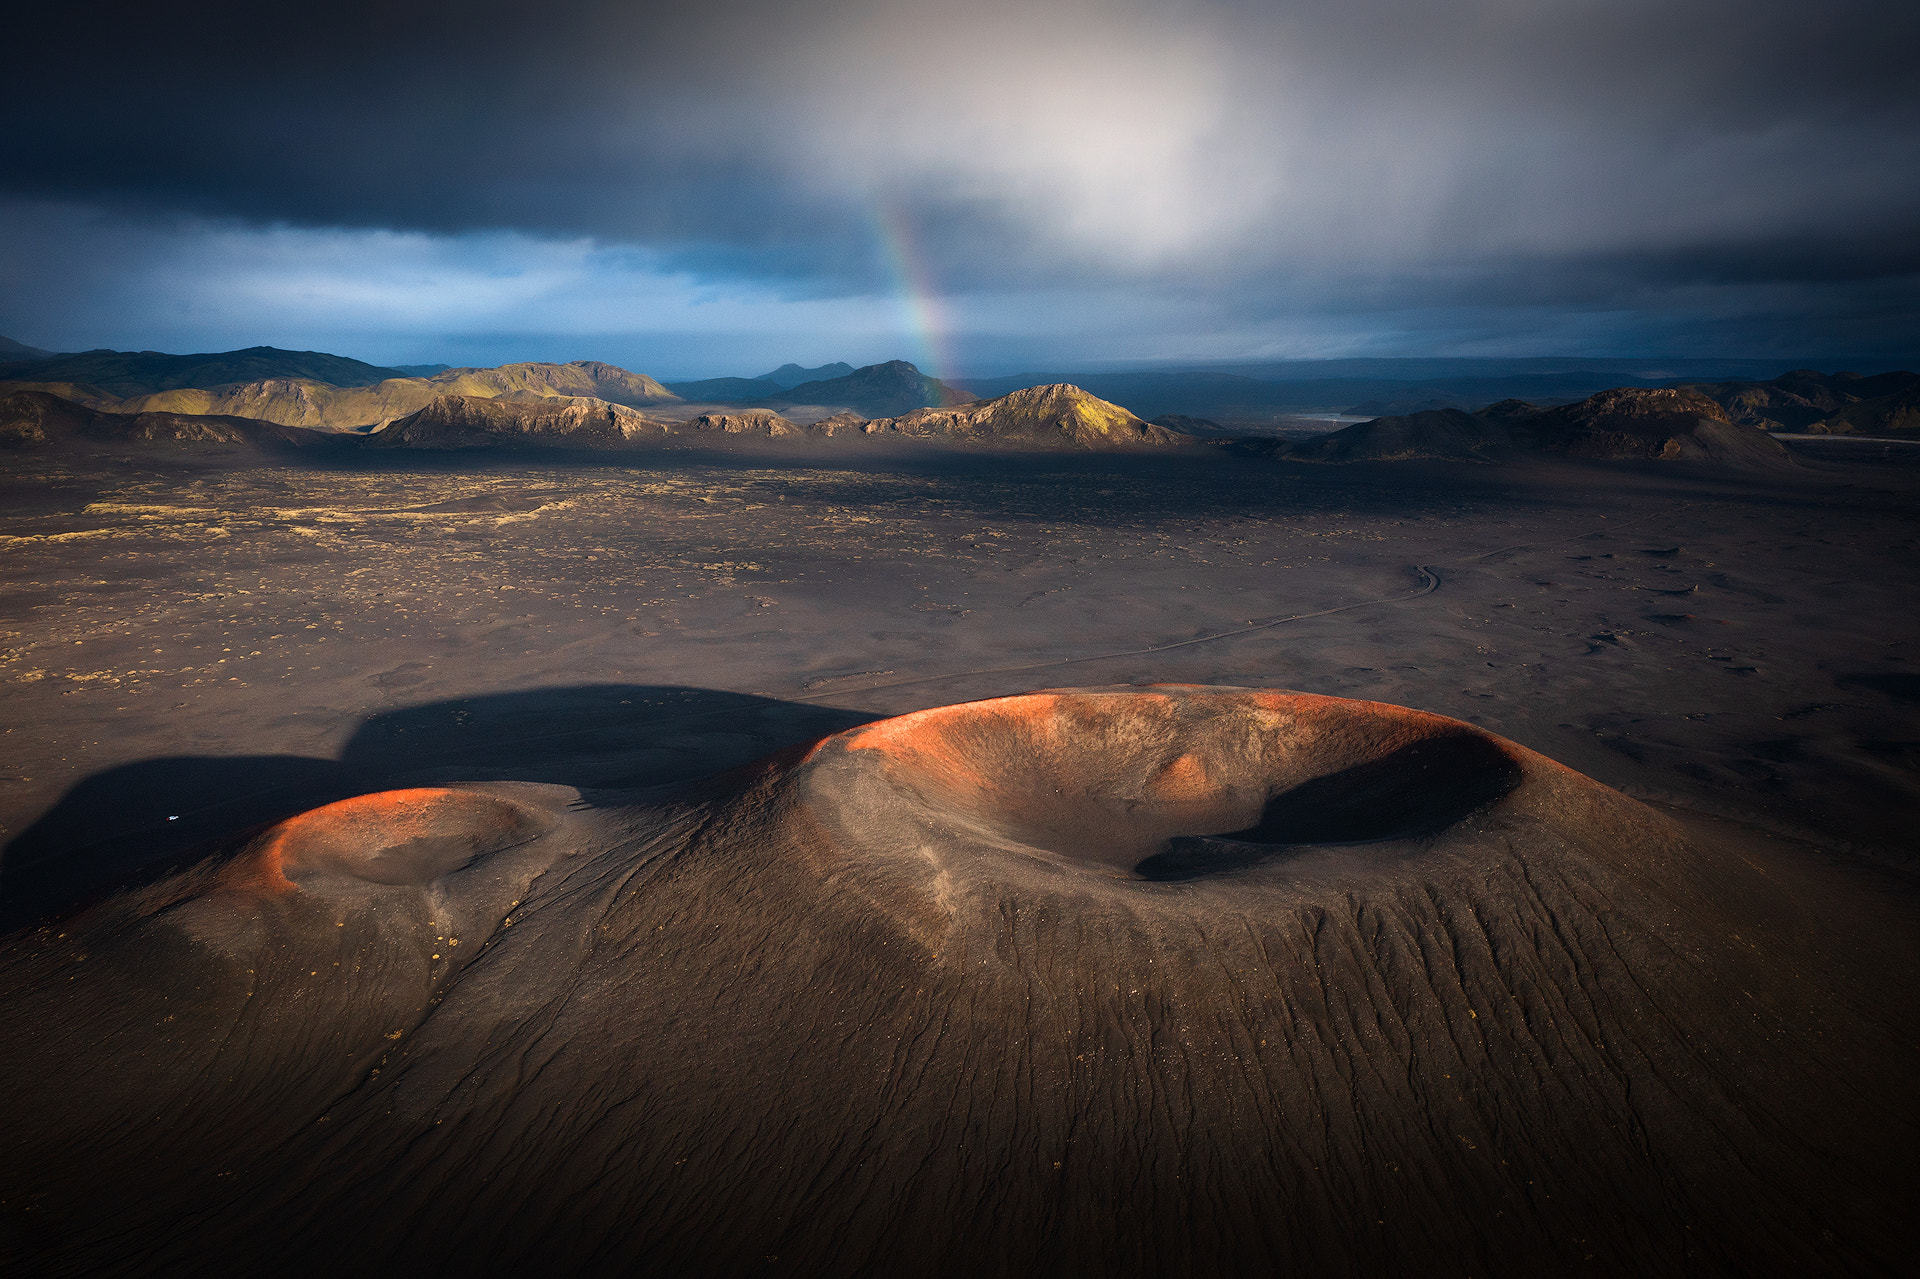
[[133, 373], [479, 421], [1807, 400], [1061, 415], [37, 419]]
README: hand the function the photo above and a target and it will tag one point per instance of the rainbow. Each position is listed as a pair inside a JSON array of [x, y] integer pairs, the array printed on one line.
[[922, 308]]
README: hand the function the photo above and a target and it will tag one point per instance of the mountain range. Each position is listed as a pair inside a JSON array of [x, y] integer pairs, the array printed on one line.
[[1823, 403], [1440, 418], [321, 392], [1045, 417]]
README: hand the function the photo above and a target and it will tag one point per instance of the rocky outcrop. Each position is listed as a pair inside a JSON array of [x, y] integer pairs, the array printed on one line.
[[474, 421], [762, 422], [1664, 423]]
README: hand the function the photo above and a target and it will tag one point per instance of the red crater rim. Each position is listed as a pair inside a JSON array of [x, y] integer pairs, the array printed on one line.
[[391, 837], [1117, 777]]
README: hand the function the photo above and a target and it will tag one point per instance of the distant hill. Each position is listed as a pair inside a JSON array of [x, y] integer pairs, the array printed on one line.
[[13, 352], [1806, 400], [322, 406], [726, 390], [420, 370], [1625, 423], [749, 390], [36, 420], [1037, 416], [788, 376], [1448, 435], [134, 373], [878, 390]]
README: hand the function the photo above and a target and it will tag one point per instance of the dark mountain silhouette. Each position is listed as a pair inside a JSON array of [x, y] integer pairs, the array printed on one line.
[[1442, 434], [751, 390], [788, 376], [129, 373], [12, 351], [878, 390], [726, 390]]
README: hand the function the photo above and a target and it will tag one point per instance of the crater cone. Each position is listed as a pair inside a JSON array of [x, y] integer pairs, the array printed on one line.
[[1173, 782]]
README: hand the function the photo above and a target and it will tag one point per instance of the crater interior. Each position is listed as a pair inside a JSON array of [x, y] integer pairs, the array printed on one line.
[[1124, 778]]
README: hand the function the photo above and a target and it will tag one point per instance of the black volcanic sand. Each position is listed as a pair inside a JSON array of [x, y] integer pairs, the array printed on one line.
[[1130, 981], [849, 1012]]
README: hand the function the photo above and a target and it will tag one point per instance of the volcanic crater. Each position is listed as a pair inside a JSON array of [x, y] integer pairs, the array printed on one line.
[[1177, 781]]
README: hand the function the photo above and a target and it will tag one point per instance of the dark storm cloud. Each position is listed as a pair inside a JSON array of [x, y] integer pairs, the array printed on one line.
[[1269, 159]]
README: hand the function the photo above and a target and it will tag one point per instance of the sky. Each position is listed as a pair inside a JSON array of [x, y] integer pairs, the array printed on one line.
[[980, 187]]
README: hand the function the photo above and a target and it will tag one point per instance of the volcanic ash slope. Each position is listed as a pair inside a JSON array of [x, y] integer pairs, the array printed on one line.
[[1176, 980]]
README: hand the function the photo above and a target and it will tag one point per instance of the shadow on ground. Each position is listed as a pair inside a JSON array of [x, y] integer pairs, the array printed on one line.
[[134, 822]]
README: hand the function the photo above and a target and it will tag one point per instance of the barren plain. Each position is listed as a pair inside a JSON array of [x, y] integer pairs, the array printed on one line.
[[194, 647]]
